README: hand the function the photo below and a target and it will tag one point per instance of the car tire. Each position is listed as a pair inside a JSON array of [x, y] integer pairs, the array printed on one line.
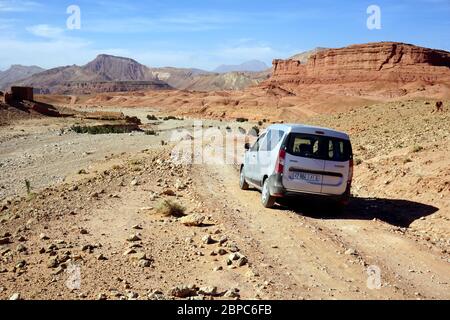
[[242, 182], [267, 200]]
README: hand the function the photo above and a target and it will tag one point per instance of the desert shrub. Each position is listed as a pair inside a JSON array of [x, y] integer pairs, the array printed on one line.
[[417, 149], [135, 162], [150, 132], [241, 120], [260, 123], [152, 117], [172, 118], [133, 120], [254, 131], [169, 208], [31, 195], [106, 129], [358, 161]]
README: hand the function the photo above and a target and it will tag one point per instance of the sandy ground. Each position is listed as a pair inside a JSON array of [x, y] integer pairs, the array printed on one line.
[[99, 235]]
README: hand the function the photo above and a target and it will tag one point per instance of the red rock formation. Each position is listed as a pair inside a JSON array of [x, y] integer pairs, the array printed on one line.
[[373, 62]]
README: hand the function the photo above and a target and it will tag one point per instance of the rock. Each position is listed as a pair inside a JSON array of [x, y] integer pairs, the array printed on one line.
[[101, 257], [5, 240], [222, 252], [207, 239], [351, 252], [219, 268], [88, 247], [134, 238], [135, 182], [132, 295], [43, 236], [208, 291], [144, 263], [58, 270], [242, 261], [234, 256], [192, 220], [21, 248], [223, 240], [21, 264], [53, 262], [15, 296], [139, 256], [137, 227], [169, 192], [21, 239], [156, 295], [233, 293], [6, 235], [102, 296], [83, 231], [183, 291], [129, 252]]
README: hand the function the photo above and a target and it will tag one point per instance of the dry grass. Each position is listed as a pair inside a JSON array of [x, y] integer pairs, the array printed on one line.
[[169, 208]]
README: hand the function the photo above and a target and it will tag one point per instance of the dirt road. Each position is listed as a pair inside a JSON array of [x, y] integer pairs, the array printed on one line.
[[306, 254], [101, 236]]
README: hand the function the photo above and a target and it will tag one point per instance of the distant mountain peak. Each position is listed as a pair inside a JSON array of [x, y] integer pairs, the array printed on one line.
[[16, 73], [116, 68], [248, 66]]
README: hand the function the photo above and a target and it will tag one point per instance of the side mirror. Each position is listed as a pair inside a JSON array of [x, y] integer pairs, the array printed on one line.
[[247, 146]]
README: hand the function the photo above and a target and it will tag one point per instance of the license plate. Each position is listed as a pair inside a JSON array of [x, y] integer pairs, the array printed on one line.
[[315, 178]]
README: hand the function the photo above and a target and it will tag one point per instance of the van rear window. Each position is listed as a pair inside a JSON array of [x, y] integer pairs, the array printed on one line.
[[319, 147]]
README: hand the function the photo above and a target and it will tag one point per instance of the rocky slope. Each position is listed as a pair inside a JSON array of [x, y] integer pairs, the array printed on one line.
[[200, 80], [333, 80], [117, 74], [303, 57], [92, 77], [248, 66], [373, 65], [16, 73]]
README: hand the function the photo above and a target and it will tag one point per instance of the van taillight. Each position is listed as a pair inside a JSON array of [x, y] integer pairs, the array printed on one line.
[[350, 172], [279, 167]]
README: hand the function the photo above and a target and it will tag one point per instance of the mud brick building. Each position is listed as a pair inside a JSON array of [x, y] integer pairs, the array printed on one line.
[[22, 93]]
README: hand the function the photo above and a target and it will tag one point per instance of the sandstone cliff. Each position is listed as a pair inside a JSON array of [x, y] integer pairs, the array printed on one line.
[[374, 62]]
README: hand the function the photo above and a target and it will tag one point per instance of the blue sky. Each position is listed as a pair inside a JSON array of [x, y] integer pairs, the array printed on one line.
[[207, 33]]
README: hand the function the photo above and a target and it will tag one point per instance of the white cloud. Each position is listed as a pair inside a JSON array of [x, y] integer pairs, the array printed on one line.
[[46, 31], [18, 6]]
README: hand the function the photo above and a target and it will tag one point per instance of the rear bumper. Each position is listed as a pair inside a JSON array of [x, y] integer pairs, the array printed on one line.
[[278, 190]]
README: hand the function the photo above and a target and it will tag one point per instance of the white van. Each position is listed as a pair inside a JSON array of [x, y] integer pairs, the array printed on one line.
[[298, 160]]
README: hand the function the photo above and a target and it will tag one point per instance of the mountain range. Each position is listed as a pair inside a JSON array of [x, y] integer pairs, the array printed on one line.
[[107, 73], [16, 73], [248, 66]]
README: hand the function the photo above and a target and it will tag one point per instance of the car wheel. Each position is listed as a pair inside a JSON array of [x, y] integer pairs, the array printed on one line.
[[267, 200], [242, 182]]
